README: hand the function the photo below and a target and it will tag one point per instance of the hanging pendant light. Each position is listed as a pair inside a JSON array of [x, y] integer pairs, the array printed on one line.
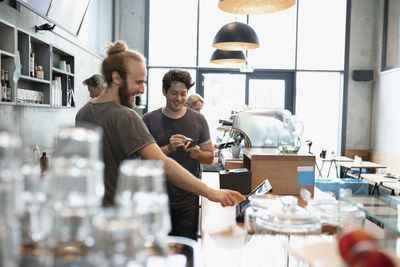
[[225, 56], [236, 36], [254, 6]]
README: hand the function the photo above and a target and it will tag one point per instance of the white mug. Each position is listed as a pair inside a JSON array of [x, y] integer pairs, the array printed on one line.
[[235, 150]]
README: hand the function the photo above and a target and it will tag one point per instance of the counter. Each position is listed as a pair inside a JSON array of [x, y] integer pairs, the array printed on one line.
[[222, 238], [287, 173]]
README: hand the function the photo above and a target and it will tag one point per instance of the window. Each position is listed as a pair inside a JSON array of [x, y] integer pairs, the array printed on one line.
[[318, 107], [321, 34], [172, 34]]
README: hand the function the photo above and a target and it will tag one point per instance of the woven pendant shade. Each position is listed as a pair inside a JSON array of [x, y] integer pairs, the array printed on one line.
[[236, 36], [225, 56], [254, 6]]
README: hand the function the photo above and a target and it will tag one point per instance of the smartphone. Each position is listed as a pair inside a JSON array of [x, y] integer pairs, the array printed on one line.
[[189, 143]]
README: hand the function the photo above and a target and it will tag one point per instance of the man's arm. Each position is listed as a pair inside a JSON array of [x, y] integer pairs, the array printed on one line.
[[185, 180], [204, 154]]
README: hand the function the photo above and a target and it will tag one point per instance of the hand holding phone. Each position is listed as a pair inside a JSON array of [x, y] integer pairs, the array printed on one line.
[[189, 143]]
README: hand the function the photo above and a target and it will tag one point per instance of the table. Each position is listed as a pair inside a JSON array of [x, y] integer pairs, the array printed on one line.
[[362, 165], [333, 160], [377, 180]]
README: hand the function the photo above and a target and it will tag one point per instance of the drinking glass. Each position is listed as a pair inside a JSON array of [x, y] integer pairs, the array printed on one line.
[[77, 169], [141, 191], [75, 190], [11, 205], [118, 242]]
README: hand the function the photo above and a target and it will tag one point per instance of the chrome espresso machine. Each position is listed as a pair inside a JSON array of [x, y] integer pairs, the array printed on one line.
[[258, 128]]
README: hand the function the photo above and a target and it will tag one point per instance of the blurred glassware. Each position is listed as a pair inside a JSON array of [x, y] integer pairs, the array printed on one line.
[[141, 190], [275, 227], [11, 204], [36, 220], [117, 238], [75, 189], [77, 169]]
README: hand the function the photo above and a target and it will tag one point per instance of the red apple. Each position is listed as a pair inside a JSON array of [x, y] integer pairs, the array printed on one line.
[[367, 254], [349, 238]]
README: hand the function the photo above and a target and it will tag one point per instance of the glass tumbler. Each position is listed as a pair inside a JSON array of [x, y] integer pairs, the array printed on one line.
[[75, 190], [141, 190], [11, 204]]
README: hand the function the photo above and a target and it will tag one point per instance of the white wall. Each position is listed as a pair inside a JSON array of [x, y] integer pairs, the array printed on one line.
[[385, 125]]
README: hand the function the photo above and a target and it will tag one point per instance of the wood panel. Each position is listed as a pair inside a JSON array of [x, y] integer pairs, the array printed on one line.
[[364, 154], [280, 169], [391, 161]]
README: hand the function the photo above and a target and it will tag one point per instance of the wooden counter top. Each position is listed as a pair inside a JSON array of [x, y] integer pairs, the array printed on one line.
[[258, 153]]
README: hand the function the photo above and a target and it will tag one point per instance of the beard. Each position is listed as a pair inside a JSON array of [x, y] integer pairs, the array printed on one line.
[[124, 95]]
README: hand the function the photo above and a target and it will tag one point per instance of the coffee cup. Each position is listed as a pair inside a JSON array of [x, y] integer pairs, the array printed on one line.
[[235, 150]]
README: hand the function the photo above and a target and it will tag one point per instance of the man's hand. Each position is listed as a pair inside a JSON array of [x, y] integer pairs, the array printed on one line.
[[175, 141], [194, 152], [225, 197]]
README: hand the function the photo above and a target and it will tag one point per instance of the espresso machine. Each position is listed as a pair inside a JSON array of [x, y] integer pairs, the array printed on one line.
[[258, 128]]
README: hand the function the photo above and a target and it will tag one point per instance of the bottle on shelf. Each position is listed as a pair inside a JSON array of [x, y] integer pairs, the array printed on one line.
[[8, 87], [32, 64], [3, 87]]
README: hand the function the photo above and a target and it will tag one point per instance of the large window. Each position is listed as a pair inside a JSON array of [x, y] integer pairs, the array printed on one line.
[[299, 65], [172, 40]]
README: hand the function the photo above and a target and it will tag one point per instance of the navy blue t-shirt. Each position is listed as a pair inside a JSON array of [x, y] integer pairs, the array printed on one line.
[[193, 125]]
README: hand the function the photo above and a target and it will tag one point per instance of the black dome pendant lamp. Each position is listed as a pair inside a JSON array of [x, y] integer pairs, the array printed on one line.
[[225, 56], [254, 6], [236, 36]]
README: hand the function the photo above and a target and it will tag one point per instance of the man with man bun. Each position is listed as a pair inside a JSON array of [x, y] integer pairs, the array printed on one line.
[[124, 133]]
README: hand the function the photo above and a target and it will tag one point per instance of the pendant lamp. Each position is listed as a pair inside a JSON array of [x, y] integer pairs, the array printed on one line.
[[236, 36], [254, 6], [225, 56]]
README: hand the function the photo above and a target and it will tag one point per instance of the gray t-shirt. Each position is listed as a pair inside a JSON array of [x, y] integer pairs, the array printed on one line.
[[193, 125], [124, 133]]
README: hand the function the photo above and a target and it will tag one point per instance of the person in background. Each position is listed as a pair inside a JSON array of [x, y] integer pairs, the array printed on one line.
[[195, 102], [125, 134], [94, 85], [170, 127]]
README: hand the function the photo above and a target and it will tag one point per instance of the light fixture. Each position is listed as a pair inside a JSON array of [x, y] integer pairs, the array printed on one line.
[[254, 6], [225, 56], [236, 36]]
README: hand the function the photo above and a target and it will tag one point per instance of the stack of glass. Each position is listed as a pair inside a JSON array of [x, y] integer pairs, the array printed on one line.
[[75, 189], [141, 192], [11, 204]]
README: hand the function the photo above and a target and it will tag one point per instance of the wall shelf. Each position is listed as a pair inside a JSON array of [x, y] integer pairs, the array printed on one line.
[[24, 77], [34, 52], [56, 70]]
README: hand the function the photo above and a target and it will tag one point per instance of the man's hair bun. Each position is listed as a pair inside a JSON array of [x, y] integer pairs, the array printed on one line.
[[116, 48]]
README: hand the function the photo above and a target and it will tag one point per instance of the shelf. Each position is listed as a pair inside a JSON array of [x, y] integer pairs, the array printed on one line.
[[24, 77], [6, 54], [34, 105], [7, 103], [62, 107], [57, 70]]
